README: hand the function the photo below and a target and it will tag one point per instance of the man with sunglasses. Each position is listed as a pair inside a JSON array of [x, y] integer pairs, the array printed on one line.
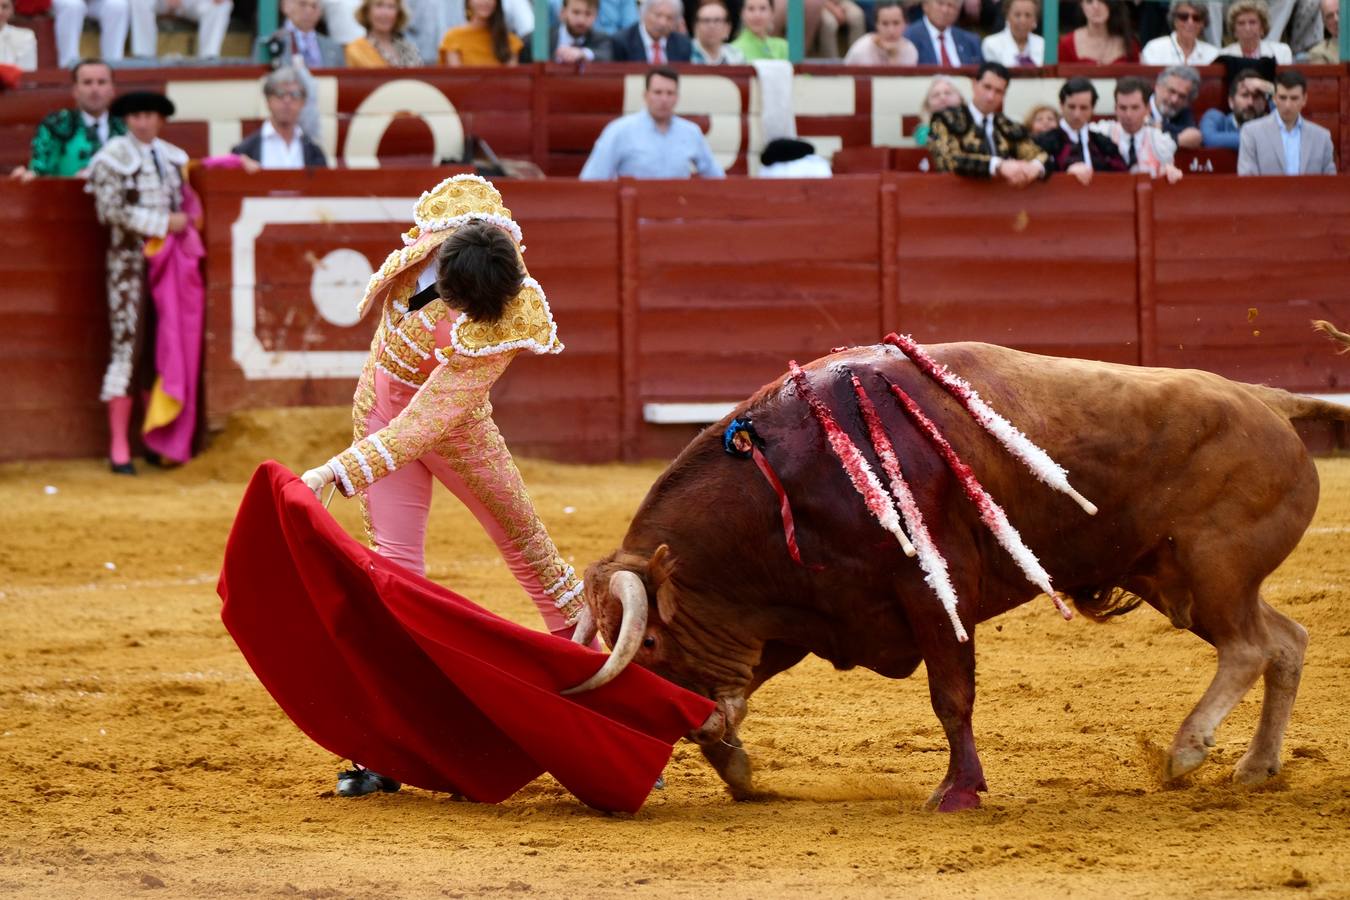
[[281, 143]]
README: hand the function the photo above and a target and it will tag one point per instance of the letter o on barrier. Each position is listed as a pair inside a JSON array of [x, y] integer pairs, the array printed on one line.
[[371, 119]]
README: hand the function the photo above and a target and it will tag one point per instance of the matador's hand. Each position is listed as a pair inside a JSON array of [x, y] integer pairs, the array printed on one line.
[[315, 479]]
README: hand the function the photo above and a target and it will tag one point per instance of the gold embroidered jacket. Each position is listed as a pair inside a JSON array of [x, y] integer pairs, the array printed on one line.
[[956, 145]]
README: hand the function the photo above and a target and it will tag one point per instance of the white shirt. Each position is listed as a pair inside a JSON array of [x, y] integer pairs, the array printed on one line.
[[565, 39], [1280, 52], [946, 39], [18, 47], [1081, 139], [1165, 51], [277, 154], [1001, 48], [100, 124]]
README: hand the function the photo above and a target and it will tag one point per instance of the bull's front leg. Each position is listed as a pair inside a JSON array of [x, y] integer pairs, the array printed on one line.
[[722, 747], [951, 687]]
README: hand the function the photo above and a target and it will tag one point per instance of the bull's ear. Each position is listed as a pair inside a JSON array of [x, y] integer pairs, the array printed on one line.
[[659, 571]]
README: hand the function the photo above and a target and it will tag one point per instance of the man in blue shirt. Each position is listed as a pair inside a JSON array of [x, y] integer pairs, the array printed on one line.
[[1286, 143], [654, 142], [1248, 99]]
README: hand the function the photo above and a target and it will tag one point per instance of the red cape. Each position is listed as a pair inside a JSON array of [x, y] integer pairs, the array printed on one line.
[[383, 667]]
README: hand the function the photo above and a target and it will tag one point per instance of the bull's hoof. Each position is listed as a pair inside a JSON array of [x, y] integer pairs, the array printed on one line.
[[958, 799], [1251, 771], [736, 774], [1185, 760]]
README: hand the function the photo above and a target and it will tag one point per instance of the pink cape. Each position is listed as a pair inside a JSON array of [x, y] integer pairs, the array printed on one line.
[[174, 275], [383, 667]]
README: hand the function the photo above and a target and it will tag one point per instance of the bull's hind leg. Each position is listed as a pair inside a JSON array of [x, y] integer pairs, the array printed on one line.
[[1286, 642]]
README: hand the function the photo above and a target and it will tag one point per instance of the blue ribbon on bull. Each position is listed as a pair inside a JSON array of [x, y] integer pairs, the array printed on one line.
[[740, 439]]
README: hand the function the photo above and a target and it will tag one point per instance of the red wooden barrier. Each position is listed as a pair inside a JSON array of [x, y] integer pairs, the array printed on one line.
[[699, 290]]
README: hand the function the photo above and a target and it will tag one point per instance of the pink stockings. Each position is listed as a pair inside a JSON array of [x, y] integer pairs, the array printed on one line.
[[119, 426]]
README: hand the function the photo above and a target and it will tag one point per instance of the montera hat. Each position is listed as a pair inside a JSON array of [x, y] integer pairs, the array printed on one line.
[[141, 101]]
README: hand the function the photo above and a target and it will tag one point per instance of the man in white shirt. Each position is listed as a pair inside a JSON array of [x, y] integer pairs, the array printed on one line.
[[281, 143], [1145, 147]]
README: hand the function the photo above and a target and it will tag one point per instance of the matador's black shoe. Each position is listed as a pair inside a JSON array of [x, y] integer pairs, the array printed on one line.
[[360, 781], [125, 468]]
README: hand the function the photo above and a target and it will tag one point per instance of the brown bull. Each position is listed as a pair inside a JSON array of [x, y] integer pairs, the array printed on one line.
[[1203, 488]]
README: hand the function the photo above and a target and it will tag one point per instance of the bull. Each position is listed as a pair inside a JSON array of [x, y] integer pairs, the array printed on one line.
[[1202, 484]]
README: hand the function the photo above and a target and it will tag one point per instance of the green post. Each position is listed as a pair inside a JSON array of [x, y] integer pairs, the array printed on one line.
[[539, 43], [1344, 35], [267, 17], [796, 30], [1050, 30]]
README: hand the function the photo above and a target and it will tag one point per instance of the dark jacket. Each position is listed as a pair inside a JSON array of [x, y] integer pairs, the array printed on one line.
[[1064, 152], [599, 43], [251, 147], [956, 145], [967, 45], [628, 46]]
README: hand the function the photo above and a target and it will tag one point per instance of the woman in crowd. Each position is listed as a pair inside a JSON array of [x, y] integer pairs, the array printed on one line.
[[1017, 44], [18, 46], [1041, 118], [887, 46], [484, 40], [712, 27], [455, 306], [1106, 36], [1183, 46], [756, 40], [942, 94], [384, 44], [1248, 24]]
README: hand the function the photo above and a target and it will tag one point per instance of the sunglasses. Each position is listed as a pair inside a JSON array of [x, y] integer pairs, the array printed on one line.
[[1189, 17]]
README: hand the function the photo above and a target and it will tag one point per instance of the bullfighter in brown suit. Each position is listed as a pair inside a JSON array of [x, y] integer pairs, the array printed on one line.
[[977, 140]]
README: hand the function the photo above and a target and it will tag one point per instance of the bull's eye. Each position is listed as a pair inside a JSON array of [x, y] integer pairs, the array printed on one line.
[[649, 642]]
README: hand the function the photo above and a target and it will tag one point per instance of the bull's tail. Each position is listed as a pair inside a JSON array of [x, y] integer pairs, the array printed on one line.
[[1298, 406]]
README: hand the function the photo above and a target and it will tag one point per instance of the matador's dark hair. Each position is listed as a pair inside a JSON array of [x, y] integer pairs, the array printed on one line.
[[478, 271]]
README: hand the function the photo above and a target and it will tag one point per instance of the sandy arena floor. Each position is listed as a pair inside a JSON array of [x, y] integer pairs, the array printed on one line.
[[140, 757]]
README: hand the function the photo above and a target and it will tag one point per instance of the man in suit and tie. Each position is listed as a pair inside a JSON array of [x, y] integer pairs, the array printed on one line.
[[1285, 143], [977, 140], [939, 41], [653, 39], [575, 39], [297, 37]]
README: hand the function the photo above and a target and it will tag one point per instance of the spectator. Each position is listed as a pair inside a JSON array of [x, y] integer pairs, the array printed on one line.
[[137, 183], [791, 158], [1286, 143], [616, 15], [1170, 107], [887, 46], [1328, 52], [575, 39], [1017, 44], [1303, 18], [1041, 118], [297, 38], [653, 142], [1249, 23], [1073, 147], [942, 94], [756, 40], [384, 44], [1144, 147], [654, 39], [937, 39], [18, 46], [114, 20], [834, 15], [978, 141], [281, 143], [1183, 46], [67, 139], [1106, 37], [212, 18], [1248, 99], [712, 27], [484, 40]]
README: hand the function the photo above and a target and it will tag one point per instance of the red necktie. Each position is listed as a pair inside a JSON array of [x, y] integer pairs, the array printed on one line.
[[656, 52], [942, 49]]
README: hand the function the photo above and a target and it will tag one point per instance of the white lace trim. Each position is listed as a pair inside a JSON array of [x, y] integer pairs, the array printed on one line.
[[340, 473], [561, 582], [381, 449], [529, 343], [421, 314], [431, 226], [364, 464], [416, 349], [570, 595], [398, 378], [392, 358]]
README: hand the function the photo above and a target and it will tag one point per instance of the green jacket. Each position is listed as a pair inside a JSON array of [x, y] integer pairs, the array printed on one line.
[[755, 47], [63, 145]]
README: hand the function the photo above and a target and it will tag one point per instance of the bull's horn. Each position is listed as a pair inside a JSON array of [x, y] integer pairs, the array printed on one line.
[[627, 587], [584, 632]]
